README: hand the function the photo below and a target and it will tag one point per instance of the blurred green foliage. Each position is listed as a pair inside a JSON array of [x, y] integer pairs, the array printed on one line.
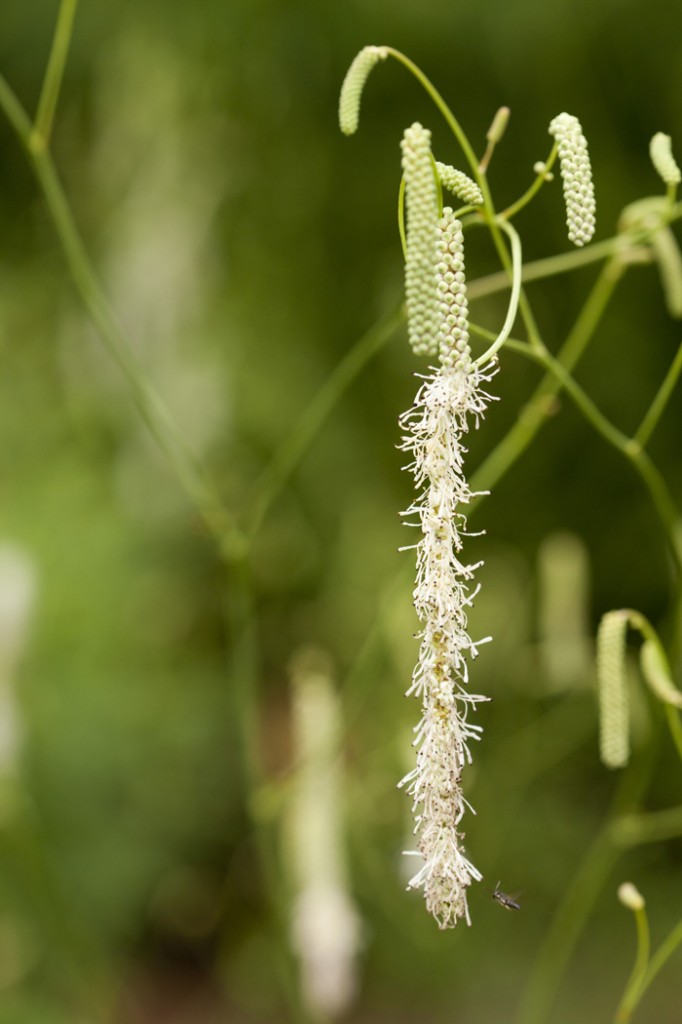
[[246, 246]]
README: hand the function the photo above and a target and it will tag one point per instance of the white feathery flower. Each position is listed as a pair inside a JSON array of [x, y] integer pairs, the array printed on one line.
[[576, 172], [421, 200], [446, 403]]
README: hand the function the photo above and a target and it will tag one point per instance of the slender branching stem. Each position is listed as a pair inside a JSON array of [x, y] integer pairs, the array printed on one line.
[[658, 406], [445, 110], [517, 263], [539, 181], [541, 403], [49, 95], [636, 979], [578, 899]]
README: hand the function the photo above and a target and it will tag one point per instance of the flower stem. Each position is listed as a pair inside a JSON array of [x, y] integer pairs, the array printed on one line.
[[663, 395], [536, 410], [636, 979], [517, 264], [47, 104], [445, 110], [578, 899], [540, 180]]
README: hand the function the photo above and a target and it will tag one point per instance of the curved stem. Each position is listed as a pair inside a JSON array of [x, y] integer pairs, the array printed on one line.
[[633, 452], [540, 180], [675, 726], [577, 902], [47, 104], [662, 954], [548, 267], [517, 263], [539, 406], [401, 217], [452, 121], [635, 981]]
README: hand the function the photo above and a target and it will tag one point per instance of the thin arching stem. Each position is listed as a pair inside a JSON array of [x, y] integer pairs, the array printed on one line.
[[517, 263], [49, 95]]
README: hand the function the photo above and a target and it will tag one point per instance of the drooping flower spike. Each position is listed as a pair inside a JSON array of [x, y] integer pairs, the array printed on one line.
[[660, 150], [353, 85], [576, 172]]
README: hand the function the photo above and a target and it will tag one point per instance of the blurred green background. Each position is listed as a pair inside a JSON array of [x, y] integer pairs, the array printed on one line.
[[245, 246]]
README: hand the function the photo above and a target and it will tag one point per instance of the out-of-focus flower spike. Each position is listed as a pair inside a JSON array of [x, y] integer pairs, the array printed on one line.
[[325, 925], [421, 200], [460, 184], [661, 153], [614, 743], [576, 172], [354, 83]]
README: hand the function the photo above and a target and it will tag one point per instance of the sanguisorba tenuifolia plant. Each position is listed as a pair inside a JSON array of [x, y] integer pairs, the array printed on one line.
[[450, 399]]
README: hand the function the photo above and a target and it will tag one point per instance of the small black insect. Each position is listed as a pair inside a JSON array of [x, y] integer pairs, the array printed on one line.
[[505, 901]]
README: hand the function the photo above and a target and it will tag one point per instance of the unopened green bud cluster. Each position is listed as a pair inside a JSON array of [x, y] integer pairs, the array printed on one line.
[[421, 200], [576, 172], [354, 83], [614, 744], [453, 340], [660, 150], [460, 184]]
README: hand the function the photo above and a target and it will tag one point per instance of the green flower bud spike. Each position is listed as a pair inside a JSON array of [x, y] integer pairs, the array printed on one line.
[[460, 184], [661, 153], [354, 83], [454, 334], [614, 745], [421, 201], [576, 173]]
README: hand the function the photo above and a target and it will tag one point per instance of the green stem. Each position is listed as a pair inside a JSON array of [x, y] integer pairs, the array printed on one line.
[[577, 902], [401, 217], [47, 104], [548, 267], [657, 407], [450, 118], [636, 979], [244, 671], [149, 404], [629, 447], [654, 827], [302, 436], [517, 264], [675, 726], [539, 406], [662, 954], [540, 180]]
